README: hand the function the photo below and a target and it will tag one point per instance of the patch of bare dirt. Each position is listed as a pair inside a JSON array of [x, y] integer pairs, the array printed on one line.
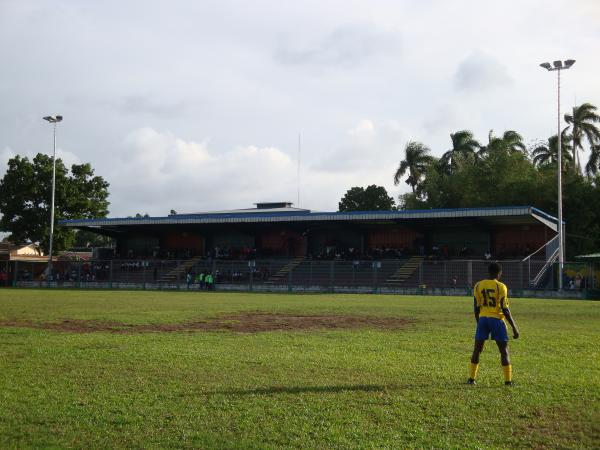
[[561, 427], [239, 323]]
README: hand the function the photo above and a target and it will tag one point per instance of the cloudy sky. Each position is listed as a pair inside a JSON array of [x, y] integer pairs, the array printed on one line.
[[197, 105]]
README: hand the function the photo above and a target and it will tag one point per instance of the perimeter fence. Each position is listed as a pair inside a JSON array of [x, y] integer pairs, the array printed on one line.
[[296, 274]]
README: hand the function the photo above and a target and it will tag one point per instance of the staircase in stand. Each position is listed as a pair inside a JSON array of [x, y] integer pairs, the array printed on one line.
[[282, 274], [405, 271], [178, 273]]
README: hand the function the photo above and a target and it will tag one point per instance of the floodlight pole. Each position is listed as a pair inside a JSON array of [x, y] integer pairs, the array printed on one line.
[[558, 67], [561, 248], [54, 121]]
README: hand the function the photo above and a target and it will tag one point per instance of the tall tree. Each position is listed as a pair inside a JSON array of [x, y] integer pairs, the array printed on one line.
[[463, 145], [25, 193], [373, 198], [416, 160], [510, 142], [546, 154], [582, 126]]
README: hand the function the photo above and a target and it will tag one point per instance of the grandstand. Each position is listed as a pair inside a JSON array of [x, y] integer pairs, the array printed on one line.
[[275, 245], [279, 230]]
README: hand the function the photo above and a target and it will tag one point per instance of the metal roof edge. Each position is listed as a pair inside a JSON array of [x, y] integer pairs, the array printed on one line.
[[535, 210], [307, 215]]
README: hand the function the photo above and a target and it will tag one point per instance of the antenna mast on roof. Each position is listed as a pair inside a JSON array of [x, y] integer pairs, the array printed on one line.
[[298, 175]]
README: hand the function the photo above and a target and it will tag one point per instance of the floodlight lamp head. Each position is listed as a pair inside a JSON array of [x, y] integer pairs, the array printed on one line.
[[53, 119], [546, 66], [569, 63], [558, 64]]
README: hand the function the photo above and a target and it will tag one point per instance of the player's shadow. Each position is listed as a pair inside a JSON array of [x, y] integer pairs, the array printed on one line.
[[304, 389]]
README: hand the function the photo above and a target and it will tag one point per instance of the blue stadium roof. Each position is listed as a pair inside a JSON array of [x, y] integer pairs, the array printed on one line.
[[495, 214]]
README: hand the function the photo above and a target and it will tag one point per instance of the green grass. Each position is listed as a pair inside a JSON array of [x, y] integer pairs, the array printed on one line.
[[361, 388]]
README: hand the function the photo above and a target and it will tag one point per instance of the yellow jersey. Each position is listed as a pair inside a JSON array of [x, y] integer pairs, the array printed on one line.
[[491, 296]]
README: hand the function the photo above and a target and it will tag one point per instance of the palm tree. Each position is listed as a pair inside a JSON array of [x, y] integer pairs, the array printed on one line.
[[547, 153], [593, 165], [513, 142], [581, 123], [462, 144], [510, 142], [415, 162]]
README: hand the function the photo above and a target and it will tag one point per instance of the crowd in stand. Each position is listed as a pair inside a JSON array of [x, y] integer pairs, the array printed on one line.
[[88, 271], [437, 252], [140, 261], [241, 253], [135, 265], [340, 253], [332, 250], [576, 282]]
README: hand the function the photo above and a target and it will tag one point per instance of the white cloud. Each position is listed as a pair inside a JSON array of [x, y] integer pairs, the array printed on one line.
[[367, 146], [150, 105], [158, 172], [345, 46], [480, 72]]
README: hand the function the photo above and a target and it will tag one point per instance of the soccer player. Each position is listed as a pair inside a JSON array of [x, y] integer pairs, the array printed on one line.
[[490, 299]]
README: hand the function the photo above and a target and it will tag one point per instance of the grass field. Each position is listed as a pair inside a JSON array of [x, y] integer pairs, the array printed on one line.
[[125, 385]]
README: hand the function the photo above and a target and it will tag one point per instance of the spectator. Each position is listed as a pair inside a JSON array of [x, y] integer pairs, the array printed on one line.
[[578, 281]]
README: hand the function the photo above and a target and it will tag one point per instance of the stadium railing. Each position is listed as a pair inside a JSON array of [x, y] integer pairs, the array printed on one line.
[[540, 262], [301, 274]]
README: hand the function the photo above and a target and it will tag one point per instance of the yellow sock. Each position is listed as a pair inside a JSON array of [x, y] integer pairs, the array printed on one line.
[[473, 368], [507, 372]]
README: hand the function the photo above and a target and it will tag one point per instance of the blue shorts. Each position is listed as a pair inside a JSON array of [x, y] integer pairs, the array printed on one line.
[[496, 327]]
